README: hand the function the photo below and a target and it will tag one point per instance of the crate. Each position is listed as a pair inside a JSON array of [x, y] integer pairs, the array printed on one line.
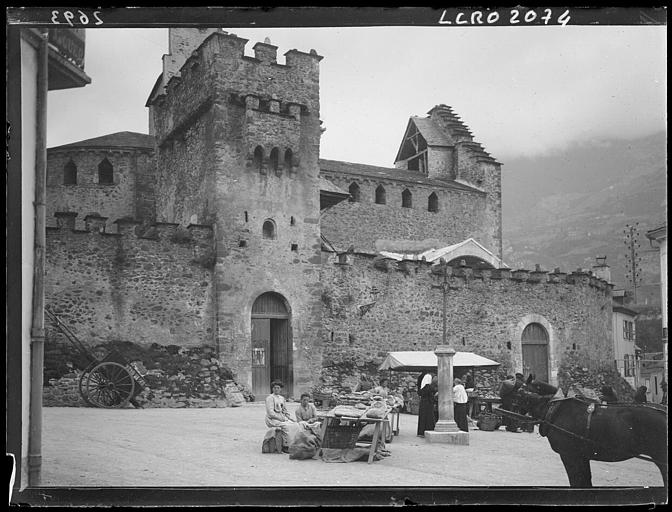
[[489, 422], [342, 436]]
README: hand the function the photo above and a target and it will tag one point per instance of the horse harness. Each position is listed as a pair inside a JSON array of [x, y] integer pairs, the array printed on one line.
[[552, 411]]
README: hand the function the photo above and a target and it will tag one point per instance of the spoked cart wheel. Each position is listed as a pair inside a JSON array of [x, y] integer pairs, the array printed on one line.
[[83, 390], [109, 385]]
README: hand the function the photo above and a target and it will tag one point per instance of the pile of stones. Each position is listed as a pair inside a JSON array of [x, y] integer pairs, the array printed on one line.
[[175, 376]]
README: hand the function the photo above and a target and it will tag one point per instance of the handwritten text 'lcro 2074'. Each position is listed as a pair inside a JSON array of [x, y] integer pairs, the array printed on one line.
[[510, 17]]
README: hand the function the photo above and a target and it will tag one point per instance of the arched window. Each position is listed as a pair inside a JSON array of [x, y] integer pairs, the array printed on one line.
[[258, 158], [406, 199], [70, 173], [433, 203], [268, 230], [380, 195], [105, 172], [275, 159], [354, 193], [288, 158]]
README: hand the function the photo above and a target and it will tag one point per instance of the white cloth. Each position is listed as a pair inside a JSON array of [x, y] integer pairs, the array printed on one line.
[[460, 394], [427, 379]]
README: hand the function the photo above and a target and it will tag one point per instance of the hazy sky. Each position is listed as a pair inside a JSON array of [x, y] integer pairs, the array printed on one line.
[[521, 90]]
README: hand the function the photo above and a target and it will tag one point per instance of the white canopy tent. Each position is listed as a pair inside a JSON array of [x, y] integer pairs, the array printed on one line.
[[420, 361]]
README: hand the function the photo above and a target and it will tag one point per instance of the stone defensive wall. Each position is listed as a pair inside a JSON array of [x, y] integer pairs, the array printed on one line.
[[374, 305], [143, 284]]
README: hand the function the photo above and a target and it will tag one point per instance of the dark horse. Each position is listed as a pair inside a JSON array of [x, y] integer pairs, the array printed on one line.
[[581, 430]]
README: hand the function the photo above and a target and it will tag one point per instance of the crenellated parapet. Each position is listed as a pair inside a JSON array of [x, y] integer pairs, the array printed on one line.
[[129, 228], [463, 275], [218, 71]]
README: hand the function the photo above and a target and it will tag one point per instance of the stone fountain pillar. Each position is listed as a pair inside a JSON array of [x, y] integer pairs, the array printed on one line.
[[445, 430]]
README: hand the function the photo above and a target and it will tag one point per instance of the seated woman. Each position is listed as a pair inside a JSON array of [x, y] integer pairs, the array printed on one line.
[[306, 411], [277, 415], [382, 389]]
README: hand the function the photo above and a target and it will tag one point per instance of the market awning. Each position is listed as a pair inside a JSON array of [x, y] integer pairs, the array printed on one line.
[[419, 361]]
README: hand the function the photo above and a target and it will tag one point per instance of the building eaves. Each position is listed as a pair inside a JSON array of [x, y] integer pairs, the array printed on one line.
[[113, 140], [391, 174]]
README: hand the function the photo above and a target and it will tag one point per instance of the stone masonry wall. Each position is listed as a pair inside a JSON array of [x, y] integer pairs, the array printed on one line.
[[461, 215], [236, 103], [114, 201], [120, 286], [373, 308]]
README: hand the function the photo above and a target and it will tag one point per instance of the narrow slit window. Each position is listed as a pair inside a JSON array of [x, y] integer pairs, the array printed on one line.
[[105, 172], [354, 193], [275, 159], [70, 173], [433, 203], [258, 161], [289, 156], [380, 195], [406, 199]]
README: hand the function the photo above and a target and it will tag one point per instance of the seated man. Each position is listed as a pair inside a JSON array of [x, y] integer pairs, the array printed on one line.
[[306, 411]]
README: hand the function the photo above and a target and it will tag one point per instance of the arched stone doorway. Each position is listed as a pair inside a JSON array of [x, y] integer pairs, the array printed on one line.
[[271, 344], [534, 341]]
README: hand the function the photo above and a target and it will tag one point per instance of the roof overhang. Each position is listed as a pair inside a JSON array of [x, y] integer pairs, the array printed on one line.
[[468, 249]]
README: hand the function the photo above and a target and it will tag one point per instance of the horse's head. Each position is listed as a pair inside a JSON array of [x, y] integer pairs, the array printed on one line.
[[540, 387], [530, 397]]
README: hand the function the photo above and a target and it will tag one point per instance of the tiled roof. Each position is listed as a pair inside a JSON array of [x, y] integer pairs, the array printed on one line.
[[431, 132], [113, 140], [387, 173]]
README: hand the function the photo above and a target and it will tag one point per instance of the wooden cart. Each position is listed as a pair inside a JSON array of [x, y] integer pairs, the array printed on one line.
[[110, 382]]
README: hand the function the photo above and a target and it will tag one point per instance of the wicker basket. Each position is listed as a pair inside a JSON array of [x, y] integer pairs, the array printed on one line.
[[488, 421], [342, 436]]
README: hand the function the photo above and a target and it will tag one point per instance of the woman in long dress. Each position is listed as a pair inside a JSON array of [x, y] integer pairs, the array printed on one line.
[[426, 417], [277, 415]]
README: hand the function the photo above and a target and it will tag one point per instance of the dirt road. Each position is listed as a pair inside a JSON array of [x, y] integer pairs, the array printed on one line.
[[85, 447]]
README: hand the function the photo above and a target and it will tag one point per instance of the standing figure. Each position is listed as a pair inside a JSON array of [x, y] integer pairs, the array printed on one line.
[[460, 405], [663, 386], [640, 395], [608, 395], [277, 415], [426, 418]]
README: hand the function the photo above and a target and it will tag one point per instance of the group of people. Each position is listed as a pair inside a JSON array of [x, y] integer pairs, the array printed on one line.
[[278, 417], [366, 384], [428, 413]]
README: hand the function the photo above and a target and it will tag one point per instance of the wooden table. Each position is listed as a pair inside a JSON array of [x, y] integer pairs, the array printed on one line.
[[377, 437]]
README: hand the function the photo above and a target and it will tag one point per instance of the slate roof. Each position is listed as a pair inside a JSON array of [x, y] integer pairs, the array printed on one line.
[[432, 134], [114, 140], [387, 173]]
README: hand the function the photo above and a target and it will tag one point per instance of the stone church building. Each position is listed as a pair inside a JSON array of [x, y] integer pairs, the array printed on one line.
[[223, 227]]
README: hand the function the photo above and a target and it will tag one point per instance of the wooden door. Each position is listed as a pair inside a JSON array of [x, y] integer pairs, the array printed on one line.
[[261, 357], [535, 351], [281, 355], [535, 360], [271, 344]]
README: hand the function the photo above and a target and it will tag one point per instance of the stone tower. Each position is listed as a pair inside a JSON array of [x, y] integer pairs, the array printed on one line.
[[237, 146]]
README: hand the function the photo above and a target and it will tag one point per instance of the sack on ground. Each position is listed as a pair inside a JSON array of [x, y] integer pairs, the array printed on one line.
[[305, 445]]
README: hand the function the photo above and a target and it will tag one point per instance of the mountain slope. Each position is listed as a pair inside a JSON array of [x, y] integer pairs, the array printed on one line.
[[565, 209]]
